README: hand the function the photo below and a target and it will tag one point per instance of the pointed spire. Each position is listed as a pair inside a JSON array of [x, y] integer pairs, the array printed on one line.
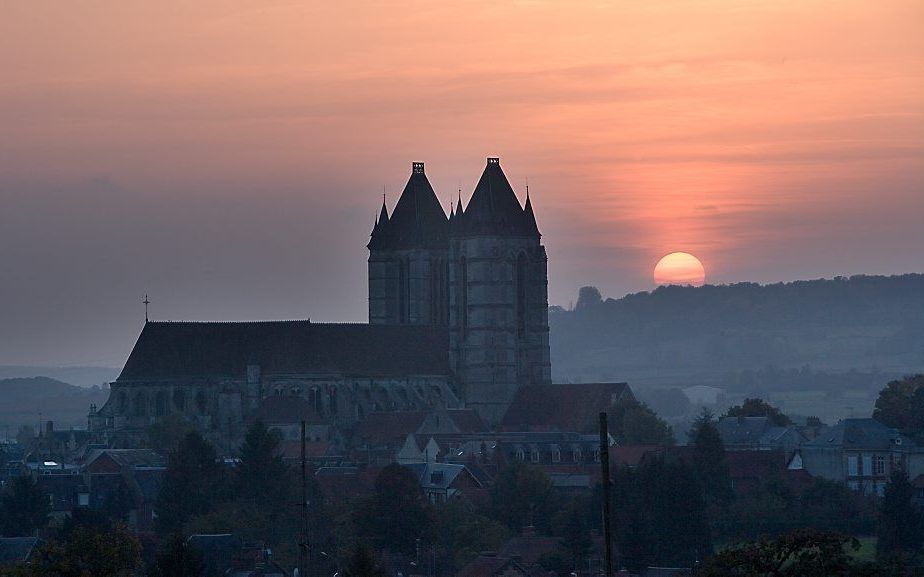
[[418, 219], [529, 216], [383, 215], [494, 208]]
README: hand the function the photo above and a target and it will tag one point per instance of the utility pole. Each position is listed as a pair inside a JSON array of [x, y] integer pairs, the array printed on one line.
[[605, 482], [305, 548]]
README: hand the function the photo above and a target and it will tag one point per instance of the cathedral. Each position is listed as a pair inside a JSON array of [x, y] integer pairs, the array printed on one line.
[[458, 318]]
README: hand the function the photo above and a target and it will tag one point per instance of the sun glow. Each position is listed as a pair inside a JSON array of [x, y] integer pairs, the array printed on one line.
[[679, 268]]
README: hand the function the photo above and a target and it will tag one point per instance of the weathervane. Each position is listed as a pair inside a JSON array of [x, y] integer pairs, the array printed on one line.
[[146, 302]]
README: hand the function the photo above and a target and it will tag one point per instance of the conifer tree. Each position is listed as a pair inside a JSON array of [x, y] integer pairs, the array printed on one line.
[[24, 508], [901, 521], [192, 483]]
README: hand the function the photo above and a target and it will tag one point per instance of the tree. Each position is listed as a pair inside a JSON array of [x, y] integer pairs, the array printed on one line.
[[397, 515], [262, 474], [192, 483], [24, 508], [901, 521], [588, 298], [760, 408], [574, 530], [362, 563], [522, 496], [86, 551], [176, 557], [634, 423], [901, 405], [801, 553], [460, 533], [709, 459]]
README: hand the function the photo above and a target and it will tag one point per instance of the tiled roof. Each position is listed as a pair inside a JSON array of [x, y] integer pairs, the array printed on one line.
[[171, 350], [570, 407], [742, 430], [489, 565], [384, 428], [867, 434]]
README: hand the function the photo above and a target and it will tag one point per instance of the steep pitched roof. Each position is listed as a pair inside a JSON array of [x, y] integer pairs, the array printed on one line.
[[494, 209], [859, 434], [14, 550], [490, 565], [571, 407], [169, 350], [385, 428], [418, 220]]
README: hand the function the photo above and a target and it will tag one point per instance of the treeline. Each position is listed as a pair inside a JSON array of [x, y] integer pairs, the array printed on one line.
[[859, 321]]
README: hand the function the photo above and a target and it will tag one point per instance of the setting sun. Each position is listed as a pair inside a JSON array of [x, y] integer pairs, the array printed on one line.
[[679, 268]]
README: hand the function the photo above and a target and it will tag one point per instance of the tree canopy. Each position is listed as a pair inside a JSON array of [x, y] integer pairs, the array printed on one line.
[[24, 508], [759, 408], [901, 405]]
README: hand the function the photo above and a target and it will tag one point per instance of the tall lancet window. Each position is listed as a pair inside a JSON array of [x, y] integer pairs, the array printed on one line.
[[521, 294], [404, 291], [463, 295]]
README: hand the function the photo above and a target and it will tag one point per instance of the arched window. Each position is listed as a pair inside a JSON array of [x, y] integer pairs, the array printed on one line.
[[140, 405], [404, 290], [314, 397], [522, 279], [160, 403], [179, 399], [332, 400], [463, 295]]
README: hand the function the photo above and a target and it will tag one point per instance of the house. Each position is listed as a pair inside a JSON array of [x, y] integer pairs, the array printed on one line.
[[126, 481], [748, 470], [758, 434], [17, 550], [382, 438], [443, 481], [859, 452], [572, 407], [489, 564]]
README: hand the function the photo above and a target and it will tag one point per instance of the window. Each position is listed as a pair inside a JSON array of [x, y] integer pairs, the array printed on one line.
[[404, 291], [556, 455], [140, 407], [332, 400], [160, 403], [867, 465], [521, 456], [576, 454], [521, 277], [852, 465], [596, 455], [179, 399], [879, 465], [534, 455], [463, 295]]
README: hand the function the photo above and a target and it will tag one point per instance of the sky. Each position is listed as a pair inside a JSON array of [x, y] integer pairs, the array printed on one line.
[[228, 158]]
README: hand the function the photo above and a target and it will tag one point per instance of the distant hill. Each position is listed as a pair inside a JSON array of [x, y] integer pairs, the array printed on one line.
[[76, 375], [23, 399], [746, 336]]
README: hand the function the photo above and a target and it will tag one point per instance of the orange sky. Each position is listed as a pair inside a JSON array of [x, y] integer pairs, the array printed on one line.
[[228, 156]]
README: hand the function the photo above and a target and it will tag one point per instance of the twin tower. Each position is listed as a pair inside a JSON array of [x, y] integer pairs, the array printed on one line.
[[481, 272]]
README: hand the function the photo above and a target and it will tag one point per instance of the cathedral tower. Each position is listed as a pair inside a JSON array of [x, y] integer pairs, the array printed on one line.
[[408, 258], [498, 296]]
